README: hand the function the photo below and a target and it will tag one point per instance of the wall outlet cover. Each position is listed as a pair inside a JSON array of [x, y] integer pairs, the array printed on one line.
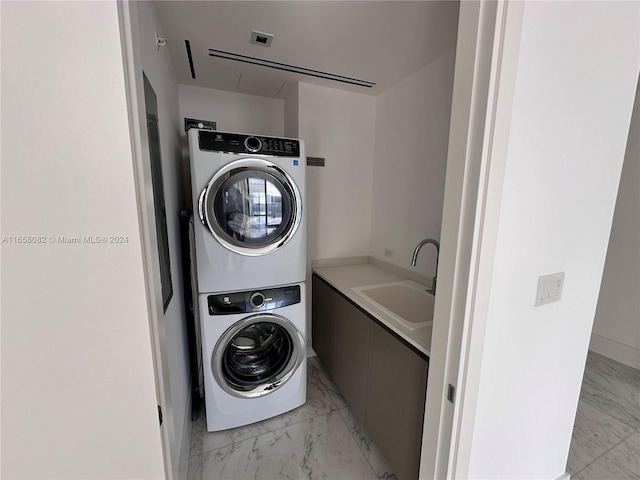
[[549, 288]]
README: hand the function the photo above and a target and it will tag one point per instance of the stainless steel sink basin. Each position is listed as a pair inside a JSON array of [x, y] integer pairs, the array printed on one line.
[[407, 302]]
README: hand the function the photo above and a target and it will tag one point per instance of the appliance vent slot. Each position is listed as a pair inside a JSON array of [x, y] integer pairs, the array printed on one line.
[[187, 43], [289, 68]]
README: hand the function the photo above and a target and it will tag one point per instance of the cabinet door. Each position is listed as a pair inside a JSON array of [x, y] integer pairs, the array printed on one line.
[[351, 355], [323, 322], [396, 389]]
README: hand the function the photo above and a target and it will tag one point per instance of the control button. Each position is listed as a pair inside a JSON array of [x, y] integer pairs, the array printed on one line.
[[257, 299], [253, 144]]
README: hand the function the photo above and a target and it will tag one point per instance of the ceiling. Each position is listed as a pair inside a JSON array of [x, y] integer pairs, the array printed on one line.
[[381, 42]]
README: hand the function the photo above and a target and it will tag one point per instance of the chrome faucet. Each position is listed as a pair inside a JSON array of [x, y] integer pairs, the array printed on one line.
[[414, 259]]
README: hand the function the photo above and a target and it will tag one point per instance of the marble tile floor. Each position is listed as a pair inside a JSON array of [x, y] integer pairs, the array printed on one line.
[[322, 439], [606, 433], [319, 440]]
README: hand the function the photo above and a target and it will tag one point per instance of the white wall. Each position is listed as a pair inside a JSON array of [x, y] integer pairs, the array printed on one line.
[[291, 108], [78, 390], [233, 112], [573, 95], [340, 127], [411, 143], [156, 64], [616, 330]]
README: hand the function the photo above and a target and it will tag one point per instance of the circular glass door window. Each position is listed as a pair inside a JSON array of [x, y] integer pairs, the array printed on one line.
[[257, 355], [251, 207]]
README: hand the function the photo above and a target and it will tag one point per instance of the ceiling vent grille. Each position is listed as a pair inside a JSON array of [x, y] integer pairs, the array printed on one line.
[[187, 44], [289, 68], [261, 38]]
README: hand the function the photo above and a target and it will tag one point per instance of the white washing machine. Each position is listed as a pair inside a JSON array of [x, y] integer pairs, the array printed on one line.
[[254, 354], [248, 194]]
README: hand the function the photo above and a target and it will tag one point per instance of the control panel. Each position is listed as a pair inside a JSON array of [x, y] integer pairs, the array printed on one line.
[[236, 143], [253, 300]]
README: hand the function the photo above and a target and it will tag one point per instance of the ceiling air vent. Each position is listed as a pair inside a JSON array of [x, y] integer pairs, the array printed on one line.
[[187, 44], [261, 38], [290, 68]]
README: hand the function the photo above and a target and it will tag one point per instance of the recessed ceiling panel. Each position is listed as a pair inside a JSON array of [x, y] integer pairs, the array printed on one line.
[[255, 83]]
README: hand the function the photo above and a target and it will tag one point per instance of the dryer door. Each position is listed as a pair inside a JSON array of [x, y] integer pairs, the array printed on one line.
[[251, 206], [257, 355]]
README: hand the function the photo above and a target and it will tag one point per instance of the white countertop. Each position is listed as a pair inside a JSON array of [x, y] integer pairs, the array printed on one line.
[[345, 277]]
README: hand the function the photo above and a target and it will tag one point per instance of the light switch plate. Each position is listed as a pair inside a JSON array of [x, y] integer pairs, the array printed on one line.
[[549, 288]]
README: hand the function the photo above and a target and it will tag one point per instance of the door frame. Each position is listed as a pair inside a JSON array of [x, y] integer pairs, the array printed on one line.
[[486, 61], [481, 45], [134, 87]]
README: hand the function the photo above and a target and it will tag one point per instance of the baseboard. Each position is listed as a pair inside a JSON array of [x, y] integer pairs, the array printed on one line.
[[183, 461], [615, 350], [564, 476]]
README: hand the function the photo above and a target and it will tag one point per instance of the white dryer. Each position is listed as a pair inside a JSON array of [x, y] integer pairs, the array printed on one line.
[[248, 194], [254, 354]]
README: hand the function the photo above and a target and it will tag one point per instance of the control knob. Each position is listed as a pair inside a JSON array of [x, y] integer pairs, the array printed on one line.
[[257, 299], [253, 144]]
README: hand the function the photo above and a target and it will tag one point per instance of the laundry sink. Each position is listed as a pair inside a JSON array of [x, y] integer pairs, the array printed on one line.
[[407, 302]]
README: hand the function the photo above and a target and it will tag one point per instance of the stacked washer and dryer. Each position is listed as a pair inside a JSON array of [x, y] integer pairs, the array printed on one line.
[[250, 248]]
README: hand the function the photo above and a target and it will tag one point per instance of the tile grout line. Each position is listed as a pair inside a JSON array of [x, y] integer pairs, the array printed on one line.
[[353, 436], [268, 431], [263, 433], [602, 367], [602, 455], [333, 408], [335, 411], [279, 428], [356, 440]]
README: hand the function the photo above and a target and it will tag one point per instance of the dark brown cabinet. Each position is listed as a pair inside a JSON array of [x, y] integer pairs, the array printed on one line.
[[382, 379], [350, 355], [340, 339], [396, 390], [323, 322]]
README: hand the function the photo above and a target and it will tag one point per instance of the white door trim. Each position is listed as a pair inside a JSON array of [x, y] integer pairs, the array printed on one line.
[[473, 185], [128, 20], [504, 62]]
